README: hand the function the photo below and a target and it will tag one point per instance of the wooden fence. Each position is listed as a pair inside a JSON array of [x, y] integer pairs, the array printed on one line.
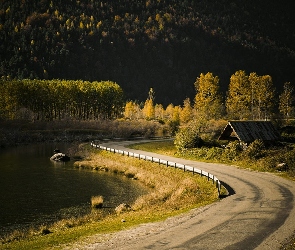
[[194, 170]]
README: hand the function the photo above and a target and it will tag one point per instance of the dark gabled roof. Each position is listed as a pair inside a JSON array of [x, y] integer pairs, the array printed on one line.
[[249, 131]]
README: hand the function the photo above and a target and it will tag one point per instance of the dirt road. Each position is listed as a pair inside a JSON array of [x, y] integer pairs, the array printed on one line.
[[259, 214]]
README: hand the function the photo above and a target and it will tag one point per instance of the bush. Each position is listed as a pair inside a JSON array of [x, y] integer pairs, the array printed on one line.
[[232, 150], [255, 150], [96, 201], [187, 138]]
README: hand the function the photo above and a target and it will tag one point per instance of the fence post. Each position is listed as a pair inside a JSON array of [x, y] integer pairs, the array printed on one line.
[[208, 177], [183, 168], [218, 187], [167, 164], [193, 170]]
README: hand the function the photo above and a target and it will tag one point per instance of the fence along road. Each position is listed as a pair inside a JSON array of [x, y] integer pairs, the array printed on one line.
[[259, 214], [164, 162]]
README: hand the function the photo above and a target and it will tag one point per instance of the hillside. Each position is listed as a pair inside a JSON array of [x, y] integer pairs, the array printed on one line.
[[143, 44]]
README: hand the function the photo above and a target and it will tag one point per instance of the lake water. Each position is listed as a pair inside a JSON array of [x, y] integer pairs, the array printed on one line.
[[35, 190]]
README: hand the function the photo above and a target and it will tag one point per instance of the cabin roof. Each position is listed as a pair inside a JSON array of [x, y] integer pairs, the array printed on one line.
[[249, 131]]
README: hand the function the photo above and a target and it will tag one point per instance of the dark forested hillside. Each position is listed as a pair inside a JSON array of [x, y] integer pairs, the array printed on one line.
[[142, 44]]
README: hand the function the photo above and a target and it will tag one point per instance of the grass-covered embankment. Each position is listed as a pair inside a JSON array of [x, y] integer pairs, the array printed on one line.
[[255, 157], [171, 192]]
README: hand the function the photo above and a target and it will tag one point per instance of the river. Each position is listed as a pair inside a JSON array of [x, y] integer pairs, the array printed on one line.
[[35, 190]]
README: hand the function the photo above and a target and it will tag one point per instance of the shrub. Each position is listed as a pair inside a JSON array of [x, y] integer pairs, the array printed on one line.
[[232, 150], [97, 201], [255, 150], [187, 138], [214, 153]]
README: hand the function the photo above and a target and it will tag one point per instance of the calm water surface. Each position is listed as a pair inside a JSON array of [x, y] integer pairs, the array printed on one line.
[[35, 190]]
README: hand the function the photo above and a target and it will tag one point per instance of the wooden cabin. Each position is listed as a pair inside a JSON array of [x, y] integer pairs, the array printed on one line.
[[249, 131]]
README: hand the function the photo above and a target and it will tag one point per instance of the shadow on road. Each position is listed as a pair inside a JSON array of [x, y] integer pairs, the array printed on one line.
[[230, 190]]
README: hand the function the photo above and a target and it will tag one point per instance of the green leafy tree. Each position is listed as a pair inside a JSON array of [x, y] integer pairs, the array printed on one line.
[[208, 100]]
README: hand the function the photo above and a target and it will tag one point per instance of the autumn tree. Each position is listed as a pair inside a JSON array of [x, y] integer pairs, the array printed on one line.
[[186, 112], [159, 112], [172, 117], [169, 112], [130, 110], [286, 101], [250, 97], [238, 102], [263, 96], [208, 100], [149, 109]]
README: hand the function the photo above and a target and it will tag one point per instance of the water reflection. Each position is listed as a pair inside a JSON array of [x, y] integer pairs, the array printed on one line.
[[34, 190]]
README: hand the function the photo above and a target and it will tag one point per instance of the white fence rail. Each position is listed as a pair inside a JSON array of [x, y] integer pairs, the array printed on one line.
[[163, 162]]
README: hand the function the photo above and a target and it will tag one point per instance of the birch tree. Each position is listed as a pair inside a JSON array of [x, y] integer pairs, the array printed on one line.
[[286, 101], [208, 100], [238, 101]]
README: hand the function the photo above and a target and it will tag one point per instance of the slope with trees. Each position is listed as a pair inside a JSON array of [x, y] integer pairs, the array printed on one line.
[[143, 44]]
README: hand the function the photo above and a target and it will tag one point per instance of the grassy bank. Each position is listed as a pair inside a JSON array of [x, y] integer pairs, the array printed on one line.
[[171, 192], [258, 159]]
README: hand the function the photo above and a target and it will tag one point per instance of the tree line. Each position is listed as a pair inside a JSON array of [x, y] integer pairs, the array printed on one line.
[[59, 99], [145, 43], [249, 97]]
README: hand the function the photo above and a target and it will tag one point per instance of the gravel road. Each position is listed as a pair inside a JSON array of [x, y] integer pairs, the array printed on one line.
[[259, 214]]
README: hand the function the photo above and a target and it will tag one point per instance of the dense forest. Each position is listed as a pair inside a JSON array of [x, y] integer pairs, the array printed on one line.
[[142, 44]]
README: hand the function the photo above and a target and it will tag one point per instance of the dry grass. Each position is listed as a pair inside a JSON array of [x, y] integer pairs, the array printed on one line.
[[97, 201], [169, 188]]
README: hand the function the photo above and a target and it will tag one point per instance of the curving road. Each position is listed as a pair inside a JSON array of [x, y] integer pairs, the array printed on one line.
[[259, 214]]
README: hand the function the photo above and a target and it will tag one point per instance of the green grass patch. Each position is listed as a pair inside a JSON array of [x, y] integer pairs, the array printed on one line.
[[161, 147], [254, 157]]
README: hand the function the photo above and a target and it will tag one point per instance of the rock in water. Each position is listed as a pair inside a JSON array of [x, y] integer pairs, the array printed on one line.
[[60, 157]]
